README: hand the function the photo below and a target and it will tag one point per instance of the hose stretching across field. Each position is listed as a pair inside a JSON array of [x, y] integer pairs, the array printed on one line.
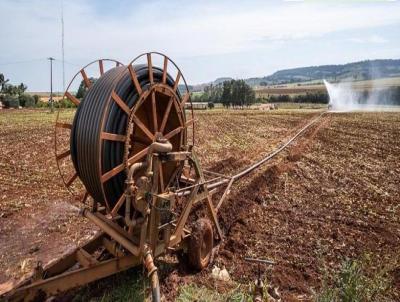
[[251, 168], [271, 155]]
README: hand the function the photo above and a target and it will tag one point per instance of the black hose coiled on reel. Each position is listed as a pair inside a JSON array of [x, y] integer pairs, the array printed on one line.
[[86, 144]]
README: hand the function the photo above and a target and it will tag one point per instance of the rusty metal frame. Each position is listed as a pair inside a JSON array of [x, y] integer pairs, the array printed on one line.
[[81, 266], [76, 268]]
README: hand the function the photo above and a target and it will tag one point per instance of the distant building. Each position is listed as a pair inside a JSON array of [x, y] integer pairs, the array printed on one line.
[[45, 96], [267, 107], [196, 105]]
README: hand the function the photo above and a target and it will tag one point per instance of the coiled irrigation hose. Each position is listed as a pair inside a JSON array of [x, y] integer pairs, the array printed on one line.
[[86, 143]]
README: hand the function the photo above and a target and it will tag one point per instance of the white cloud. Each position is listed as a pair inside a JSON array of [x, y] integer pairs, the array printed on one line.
[[373, 39], [31, 29], [195, 30]]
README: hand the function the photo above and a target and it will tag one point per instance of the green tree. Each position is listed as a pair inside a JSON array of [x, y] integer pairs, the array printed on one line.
[[10, 89], [80, 94], [232, 93], [36, 98], [3, 82], [226, 98], [26, 100]]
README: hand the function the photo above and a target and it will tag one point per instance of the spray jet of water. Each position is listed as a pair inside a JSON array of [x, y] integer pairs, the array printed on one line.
[[343, 97]]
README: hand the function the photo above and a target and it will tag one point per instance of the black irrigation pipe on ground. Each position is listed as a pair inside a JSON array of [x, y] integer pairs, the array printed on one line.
[[251, 168]]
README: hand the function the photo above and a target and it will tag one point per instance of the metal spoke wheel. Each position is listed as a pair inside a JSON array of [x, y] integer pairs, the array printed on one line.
[[201, 244], [150, 106], [122, 114], [64, 121]]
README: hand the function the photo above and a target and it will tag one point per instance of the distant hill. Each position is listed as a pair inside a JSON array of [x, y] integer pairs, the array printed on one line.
[[221, 80], [363, 70], [200, 87]]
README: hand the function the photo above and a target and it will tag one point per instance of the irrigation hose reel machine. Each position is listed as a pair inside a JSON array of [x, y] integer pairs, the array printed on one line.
[[127, 154]]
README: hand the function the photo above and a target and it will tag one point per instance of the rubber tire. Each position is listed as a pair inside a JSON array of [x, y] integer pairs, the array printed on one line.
[[201, 244]]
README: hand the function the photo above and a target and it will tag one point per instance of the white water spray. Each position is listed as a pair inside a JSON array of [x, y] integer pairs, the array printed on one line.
[[343, 97]]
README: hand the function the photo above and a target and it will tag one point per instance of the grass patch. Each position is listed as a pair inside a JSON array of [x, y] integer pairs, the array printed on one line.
[[292, 105], [189, 293], [123, 287], [353, 283]]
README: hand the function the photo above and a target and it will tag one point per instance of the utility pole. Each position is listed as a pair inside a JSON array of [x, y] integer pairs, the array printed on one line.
[[51, 84]]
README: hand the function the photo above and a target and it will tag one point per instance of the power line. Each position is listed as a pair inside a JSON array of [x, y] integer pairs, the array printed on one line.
[[38, 60], [22, 62], [73, 64]]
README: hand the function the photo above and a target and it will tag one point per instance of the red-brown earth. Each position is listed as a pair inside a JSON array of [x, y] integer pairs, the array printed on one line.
[[332, 195]]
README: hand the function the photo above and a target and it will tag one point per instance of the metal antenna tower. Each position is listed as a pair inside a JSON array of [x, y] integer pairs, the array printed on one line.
[[62, 43]]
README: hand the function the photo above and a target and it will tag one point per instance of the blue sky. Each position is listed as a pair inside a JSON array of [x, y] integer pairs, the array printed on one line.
[[207, 39]]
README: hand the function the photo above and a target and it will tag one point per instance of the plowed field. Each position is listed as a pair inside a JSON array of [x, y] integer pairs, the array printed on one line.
[[334, 194]]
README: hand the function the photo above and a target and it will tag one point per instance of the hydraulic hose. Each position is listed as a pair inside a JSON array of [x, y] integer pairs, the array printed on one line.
[[96, 109]]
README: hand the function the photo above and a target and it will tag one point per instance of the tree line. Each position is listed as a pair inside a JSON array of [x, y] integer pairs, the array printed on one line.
[[14, 95], [233, 93], [388, 96], [310, 97]]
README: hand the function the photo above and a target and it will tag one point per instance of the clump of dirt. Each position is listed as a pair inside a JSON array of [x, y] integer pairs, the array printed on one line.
[[396, 277], [228, 165]]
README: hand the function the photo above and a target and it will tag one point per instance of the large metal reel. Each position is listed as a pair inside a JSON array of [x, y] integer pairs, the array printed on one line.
[[64, 121], [122, 114]]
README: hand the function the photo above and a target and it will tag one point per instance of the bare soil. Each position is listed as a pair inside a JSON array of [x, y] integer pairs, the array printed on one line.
[[332, 195], [39, 219]]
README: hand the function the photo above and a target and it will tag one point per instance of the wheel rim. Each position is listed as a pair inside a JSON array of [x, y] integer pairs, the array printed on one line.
[[63, 126], [207, 242], [154, 108], [159, 103]]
